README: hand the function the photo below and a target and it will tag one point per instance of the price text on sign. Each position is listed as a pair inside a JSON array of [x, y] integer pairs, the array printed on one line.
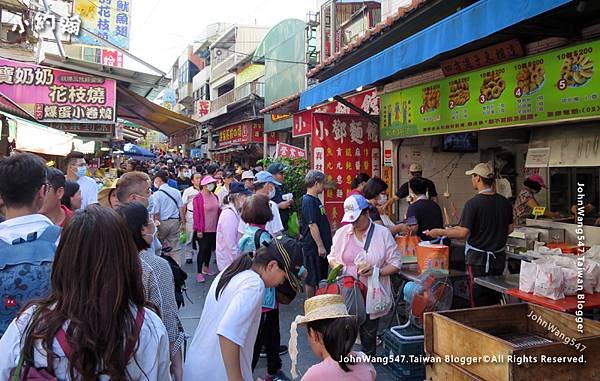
[[538, 211]]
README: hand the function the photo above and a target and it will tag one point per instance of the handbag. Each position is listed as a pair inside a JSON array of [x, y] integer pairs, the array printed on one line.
[[352, 290]]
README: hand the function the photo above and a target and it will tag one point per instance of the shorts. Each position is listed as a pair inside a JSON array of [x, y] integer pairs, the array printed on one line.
[[317, 269]]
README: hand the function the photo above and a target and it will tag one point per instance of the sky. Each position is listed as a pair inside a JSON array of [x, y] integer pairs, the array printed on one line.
[[161, 29]]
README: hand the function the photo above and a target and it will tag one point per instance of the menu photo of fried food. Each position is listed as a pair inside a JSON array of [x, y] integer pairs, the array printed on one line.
[[493, 86], [431, 99], [577, 70], [531, 77], [459, 93]]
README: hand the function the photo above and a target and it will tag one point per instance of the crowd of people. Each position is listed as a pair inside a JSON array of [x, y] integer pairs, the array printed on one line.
[[92, 278]]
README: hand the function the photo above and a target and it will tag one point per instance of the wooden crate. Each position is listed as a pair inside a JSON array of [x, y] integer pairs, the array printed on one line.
[[472, 334]]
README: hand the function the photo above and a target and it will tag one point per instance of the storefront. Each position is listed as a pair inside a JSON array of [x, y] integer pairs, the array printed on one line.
[[531, 115]]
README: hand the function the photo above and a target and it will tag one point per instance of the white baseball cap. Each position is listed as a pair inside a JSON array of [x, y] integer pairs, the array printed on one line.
[[247, 175], [353, 207]]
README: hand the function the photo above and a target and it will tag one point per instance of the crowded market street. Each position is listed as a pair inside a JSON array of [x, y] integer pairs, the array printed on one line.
[[312, 190]]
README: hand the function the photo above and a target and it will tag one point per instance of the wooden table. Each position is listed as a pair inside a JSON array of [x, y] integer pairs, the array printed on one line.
[[568, 304]]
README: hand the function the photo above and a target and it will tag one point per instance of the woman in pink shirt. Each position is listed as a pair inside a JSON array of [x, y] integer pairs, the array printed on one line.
[[331, 335], [228, 237], [206, 217], [349, 242]]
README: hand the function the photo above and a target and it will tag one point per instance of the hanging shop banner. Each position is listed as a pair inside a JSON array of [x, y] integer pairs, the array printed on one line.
[[287, 150], [244, 133], [368, 101], [343, 146], [108, 19], [53, 95], [87, 128], [558, 85]]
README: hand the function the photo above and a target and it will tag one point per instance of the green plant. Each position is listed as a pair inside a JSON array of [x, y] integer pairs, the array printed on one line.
[[294, 177]]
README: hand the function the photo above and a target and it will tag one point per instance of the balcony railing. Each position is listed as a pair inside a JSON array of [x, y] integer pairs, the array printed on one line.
[[239, 93]]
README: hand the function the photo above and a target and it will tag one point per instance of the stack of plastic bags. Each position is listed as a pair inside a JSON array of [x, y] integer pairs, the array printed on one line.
[[558, 276]]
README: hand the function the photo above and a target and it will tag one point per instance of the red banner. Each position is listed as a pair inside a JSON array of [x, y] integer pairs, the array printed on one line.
[[342, 147], [244, 133], [367, 101], [286, 150]]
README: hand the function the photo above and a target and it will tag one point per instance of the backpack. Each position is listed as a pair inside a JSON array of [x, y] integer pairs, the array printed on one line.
[[179, 277], [257, 243], [25, 269]]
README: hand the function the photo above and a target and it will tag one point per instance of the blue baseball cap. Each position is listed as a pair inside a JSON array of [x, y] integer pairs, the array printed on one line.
[[236, 187], [265, 177], [353, 207]]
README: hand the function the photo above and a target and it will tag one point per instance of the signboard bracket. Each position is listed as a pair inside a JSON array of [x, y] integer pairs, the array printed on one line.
[[360, 111]]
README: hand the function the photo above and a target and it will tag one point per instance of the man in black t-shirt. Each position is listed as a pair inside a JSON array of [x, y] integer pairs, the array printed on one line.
[[416, 171], [316, 232], [427, 213], [486, 222]]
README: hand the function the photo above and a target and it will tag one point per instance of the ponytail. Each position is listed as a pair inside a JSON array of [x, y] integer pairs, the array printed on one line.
[[338, 336], [245, 262]]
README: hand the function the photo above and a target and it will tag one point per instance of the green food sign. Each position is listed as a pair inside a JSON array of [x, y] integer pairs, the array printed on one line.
[[558, 85]]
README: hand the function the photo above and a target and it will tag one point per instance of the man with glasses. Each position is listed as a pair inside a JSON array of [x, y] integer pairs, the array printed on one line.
[[76, 171], [52, 208]]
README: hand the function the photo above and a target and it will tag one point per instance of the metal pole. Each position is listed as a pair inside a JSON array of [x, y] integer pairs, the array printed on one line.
[[333, 26]]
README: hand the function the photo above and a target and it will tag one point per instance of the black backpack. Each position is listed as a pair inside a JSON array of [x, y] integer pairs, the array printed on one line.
[[179, 277]]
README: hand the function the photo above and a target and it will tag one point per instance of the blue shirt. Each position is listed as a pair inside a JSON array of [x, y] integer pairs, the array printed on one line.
[[167, 207], [247, 245], [172, 183]]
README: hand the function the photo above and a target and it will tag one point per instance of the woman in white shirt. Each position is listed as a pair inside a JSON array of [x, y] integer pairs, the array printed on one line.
[[223, 343], [93, 325]]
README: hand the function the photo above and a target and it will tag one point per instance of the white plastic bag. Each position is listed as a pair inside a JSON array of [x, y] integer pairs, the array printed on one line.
[[591, 275], [570, 280], [527, 276], [378, 299], [549, 282]]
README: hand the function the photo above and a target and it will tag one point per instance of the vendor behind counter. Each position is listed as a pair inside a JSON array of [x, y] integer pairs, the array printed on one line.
[[526, 202]]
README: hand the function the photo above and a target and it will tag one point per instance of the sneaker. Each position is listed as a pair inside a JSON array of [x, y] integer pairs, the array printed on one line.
[[279, 376], [189, 261], [207, 271], [200, 278]]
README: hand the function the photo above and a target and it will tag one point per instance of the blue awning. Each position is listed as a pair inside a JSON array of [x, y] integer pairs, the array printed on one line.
[[137, 151], [473, 23]]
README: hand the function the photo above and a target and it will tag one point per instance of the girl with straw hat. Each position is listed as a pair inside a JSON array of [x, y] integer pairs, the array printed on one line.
[[331, 335]]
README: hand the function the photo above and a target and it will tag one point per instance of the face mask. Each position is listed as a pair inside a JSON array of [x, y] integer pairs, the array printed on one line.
[[81, 171], [211, 187], [188, 174], [382, 199], [154, 231], [272, 194]]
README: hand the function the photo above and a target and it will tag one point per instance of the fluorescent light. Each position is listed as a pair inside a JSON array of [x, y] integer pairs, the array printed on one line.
[[330, 99], [105, 149], [309, 107], [118, 152], [359, 88]]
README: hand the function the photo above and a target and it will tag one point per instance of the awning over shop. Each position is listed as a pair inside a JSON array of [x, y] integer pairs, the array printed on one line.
[[140, 110], [35, 137], [475, 22], [137, 151]]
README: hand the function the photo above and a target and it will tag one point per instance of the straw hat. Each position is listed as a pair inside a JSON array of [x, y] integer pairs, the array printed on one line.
[[104, 195], [319, 307]]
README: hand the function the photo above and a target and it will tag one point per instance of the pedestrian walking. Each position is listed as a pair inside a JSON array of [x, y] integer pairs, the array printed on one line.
[[316, 231], [52, 208], [157, 278], [264, 184], [24, 276], [77, 171], [167, 210], [223, 191], [376, 245], [72, 198], [93, 325], [485, 223], [228, 237], [331, 335], [187, 199], [223, 343], [206, 218]]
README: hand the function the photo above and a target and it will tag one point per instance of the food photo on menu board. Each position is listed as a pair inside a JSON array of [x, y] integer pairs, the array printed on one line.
[[557, 85]]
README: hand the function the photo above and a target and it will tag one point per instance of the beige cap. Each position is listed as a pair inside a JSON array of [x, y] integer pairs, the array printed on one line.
[[483, 170], [247, 175], [415, 167]]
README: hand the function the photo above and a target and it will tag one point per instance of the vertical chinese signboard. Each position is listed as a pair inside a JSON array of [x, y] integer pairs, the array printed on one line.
[[109, 19], [342, 147], [53, 95]]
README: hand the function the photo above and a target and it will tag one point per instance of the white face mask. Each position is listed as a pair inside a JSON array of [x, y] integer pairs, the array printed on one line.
[[211, 187], [271, 194], [383, 198]]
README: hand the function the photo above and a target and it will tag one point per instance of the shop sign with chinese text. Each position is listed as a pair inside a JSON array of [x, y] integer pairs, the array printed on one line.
[[368, 101], [109, 19], [287, 150], [88, 128], [342, 147], [53, 95], [244, 133], [559, 85]]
